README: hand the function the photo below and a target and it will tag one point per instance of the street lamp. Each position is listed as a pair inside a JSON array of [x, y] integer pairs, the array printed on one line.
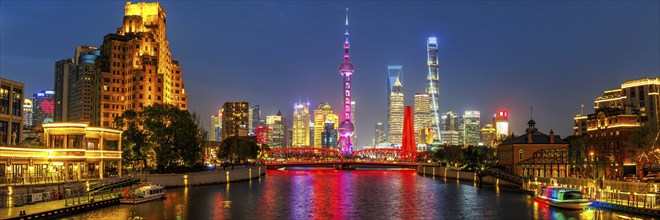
[[593, 174]]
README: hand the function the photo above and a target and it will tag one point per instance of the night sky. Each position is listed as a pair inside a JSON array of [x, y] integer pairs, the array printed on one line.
[[553, 56]]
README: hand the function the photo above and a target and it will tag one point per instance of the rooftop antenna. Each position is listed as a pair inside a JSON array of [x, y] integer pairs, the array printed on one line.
[[582, 109], [531, 112]]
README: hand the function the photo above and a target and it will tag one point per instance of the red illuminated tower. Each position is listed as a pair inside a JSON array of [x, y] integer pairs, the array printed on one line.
[[408, 141], [346, 128]]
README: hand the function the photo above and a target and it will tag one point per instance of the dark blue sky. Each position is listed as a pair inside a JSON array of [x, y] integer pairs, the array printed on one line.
[[493, 55]]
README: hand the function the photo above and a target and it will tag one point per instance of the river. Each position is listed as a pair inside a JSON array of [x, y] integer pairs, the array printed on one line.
[[332, 194]]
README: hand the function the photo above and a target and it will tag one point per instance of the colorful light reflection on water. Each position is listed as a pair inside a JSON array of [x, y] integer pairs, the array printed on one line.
[[332, 194]]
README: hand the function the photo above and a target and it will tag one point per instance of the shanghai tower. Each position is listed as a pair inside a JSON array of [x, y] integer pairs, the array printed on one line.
[[432, 83], [346, 128]]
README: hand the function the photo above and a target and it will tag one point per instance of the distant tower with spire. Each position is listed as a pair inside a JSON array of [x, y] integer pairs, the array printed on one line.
[[346, 128]]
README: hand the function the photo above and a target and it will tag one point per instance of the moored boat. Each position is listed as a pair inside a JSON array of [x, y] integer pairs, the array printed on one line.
[[143, 194], [562, 197]]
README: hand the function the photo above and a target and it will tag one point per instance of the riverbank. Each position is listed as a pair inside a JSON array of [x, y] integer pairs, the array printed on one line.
[[204, 177], [443, 172]]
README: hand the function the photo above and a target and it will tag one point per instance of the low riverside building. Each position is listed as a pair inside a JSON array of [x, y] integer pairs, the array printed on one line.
[[608, 130], [546, 163], [518, 149], [65, 151]]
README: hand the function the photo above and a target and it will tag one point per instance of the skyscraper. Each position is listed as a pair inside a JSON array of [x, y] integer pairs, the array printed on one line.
[[422, 112], [432, 81], [234, 119], [472, 124], [28, 114], [394, 72], [354, 137], [501, 121], [395, 128], [216, 127], [254, 118], [379, 136], [346, 128], [276, 130], [43, 107], [322, 112], [80, 100], [136, 65], [300, 130], [63, 70], [450, 121], [488, 134], [329, 135]]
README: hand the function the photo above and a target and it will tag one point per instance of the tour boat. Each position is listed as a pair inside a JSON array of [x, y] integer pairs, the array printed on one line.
[[143, 194], [562, 197]]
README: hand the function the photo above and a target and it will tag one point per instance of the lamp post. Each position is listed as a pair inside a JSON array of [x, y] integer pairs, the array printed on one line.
[[591, 154]]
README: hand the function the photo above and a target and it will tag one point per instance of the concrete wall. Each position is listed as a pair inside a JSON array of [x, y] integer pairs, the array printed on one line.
[[438, 171], [618, 185], [205, 177]]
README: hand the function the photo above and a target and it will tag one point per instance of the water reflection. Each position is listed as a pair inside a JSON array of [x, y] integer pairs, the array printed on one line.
[[331, 194]]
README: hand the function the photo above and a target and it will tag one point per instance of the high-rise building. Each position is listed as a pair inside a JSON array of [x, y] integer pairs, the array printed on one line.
[[80, 100], [488, 134], [255, 117], [450, 138], [216, 127], [276, 130], [450, 121], [322, 112], [432, 81], [234, 119], [394, 72], [261, 133], [43, 107], [472, 124], [300, 130], [11, 113], [395, 128], [28, 114], [501, 121], [329, 135], [63, 70], [422, 112], [638, 97], [346, 129], [379, 136], [136, 66], [354, 137]]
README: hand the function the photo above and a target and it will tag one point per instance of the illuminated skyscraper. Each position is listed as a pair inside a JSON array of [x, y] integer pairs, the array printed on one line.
[[136, 66], [254, 118], [216, 127], [234, 119], [276, 131], [28, 114], [501, 121], [379, 136], [422, 112], [300, 131], [394, 72], [472, 124], [63, 70], [354, 137], [432, 80], [329, 135], [346, 128], [395, 128], [322, 113], [488, 134], [43, 107], [450, 121]]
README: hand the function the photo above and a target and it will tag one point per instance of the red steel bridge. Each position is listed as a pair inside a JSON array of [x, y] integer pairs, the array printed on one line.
[[322, 157]]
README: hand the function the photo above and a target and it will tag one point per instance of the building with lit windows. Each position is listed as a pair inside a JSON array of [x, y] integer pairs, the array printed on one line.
[[580, 125], [379, 136], [639, 97], [74, 80], [69, 152], [43, 107], [27, 114], [276, 130], [234, 119], [63, 70], [394, 72], [354, 136], [329, 136], [513, 152], [450, 138], [451, 121], [136, 66], [422, 112], [395, 128], [487, 136], [300, 129], [432, 81], [254, 118], [501, 121], [471, 125], [216, 127], [11, 112], [322, 113]]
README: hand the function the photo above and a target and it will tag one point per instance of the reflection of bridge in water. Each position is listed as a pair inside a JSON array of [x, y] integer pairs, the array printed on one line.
[[322, 157]]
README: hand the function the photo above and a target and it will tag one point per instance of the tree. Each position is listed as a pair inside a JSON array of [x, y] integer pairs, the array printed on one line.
[[477, 157], [640, 145], [235, 149], [135, 146], [454, 154]]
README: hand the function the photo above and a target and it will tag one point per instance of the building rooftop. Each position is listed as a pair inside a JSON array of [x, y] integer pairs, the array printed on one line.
[[537, 138]]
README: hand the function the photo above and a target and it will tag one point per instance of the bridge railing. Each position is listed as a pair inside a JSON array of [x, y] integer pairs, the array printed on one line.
[[503, 175]]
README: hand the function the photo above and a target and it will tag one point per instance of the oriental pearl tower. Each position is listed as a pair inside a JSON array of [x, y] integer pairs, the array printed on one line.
[[346, 128]]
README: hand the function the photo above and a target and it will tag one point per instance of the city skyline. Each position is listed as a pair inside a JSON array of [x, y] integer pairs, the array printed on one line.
[[567, 57]]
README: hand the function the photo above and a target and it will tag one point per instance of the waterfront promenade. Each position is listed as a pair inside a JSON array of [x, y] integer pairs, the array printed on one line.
[[29, 209]]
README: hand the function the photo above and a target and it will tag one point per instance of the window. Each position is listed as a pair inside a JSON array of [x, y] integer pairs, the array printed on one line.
[[520, 154]]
